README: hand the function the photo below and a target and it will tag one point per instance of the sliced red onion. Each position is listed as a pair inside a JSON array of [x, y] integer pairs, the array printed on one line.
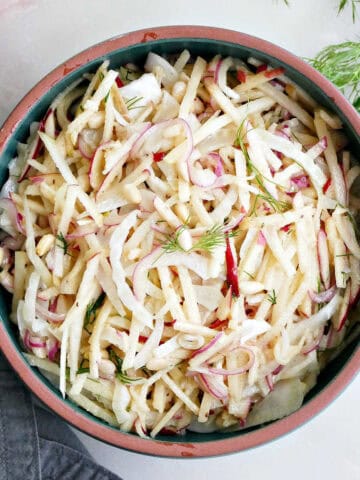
[[261, 239], [269, 382], [48, 315], [301, 181], [140, 140], [313, 345], [284, 132], [19, 219], [82, 231], [323, 297], [235, 223], [31, 341], [213, 386], [277, 370], [53, 349], [236, 371], [158, 229], [318, 148], [24, 173], [219, 169], [207, 346]]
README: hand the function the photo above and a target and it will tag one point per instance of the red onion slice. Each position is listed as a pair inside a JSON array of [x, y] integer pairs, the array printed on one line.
[[236, 371], [313, 345], [213, 386], [53, 349], [208, 345], [31, 341], [48, 315], [323, 297]]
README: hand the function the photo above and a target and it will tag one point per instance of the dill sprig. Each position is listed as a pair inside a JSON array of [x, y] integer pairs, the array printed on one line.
[[172, 241], [340, 64], [92, 308], [277, 205], [341, 7], [352, 3], [272, 297], [120, 375], [131, 103], [62, 243], [212, 238]]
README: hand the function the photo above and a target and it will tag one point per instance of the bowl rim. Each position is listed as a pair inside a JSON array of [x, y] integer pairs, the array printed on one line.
[[17, 360]]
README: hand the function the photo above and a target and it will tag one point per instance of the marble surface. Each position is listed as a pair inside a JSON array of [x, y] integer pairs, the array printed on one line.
[[36, 35]]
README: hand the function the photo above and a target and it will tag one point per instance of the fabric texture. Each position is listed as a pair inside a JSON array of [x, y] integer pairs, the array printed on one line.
[[34, 443]]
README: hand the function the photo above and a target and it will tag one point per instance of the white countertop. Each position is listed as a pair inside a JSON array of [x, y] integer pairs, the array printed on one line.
[[37, 35]]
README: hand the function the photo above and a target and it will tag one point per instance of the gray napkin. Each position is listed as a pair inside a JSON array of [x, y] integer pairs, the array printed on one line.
[[36, 445]]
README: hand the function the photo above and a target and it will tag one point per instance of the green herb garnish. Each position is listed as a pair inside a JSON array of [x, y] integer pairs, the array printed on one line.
[[277, 205], [212, 238], [118, 364], [342, 5], [345, 3], [340, 64], [272, 297], [91, 310], [63, 243], [131, 103]]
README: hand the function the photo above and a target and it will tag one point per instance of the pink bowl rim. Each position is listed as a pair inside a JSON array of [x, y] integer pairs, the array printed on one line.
[[23, 369]]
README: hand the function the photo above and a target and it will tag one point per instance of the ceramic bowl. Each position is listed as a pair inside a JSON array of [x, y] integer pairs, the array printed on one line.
[[133, 47]]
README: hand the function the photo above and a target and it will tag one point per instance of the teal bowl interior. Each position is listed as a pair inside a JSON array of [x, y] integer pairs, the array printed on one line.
[[137, 54]]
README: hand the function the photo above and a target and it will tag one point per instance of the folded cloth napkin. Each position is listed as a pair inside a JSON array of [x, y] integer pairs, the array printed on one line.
[[36, 445]]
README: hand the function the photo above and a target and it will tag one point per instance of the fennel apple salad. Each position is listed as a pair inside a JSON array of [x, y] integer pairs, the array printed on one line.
[[179, 240]]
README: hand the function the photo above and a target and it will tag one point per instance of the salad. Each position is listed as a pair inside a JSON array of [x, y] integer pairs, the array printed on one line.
[[180, 244]]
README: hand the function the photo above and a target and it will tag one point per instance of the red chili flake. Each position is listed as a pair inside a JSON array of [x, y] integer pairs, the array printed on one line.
[[119, 82], [285, 228], [241, 76], [231, 269], [275, 72], [218, 324], [149, 36], [327, 185], [170, 324], [261, 68], [278, 370], [158, 156], [143, 339]]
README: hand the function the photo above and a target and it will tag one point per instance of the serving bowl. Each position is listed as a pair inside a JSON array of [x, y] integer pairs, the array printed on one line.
[[133, 47]]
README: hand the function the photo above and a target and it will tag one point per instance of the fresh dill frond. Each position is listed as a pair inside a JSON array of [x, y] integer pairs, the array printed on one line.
[[340, 64], [172, 241], [272, 297], [277, 205], [212, 238], [120, 375], [131, 103], [352, 3], [62, 243], [92, 308]]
